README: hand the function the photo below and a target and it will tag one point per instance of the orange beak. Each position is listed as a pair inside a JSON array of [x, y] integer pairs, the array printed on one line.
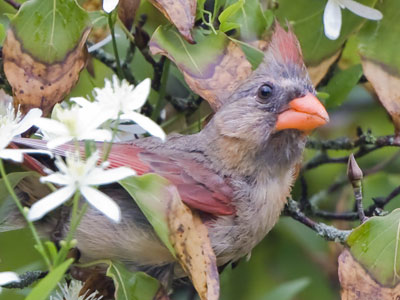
[[305, 114]]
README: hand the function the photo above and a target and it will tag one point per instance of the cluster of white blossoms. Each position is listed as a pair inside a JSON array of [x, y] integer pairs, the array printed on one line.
[[333, 15], [71, 291], [82, 121]]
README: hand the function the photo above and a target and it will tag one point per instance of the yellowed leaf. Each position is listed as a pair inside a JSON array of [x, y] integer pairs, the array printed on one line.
[[386, 83], [189, 237], [36, 84], [181, 13], [318, 72], [357, 284], [127, 11]]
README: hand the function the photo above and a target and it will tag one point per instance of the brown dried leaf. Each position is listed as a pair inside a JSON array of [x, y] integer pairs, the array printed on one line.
[[181, 13], [357, 284], [318, 72], [386, 83], [189, 237], [232, 70], [36, 84], [127, 11], [213, 68]]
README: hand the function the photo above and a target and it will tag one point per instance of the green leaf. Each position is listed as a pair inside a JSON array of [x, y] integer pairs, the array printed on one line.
[[43, 289], [131, 285], [195, 59], [306, 19], [14, 179], [249, 15], [341, 85], [288, 290], [149, 191], [376, 38], [2, 34], [376, 245], [55, 28]]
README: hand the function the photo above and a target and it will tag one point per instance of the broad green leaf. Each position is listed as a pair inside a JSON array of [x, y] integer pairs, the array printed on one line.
[[223, 18], [55, 28], [250, 15], [380, 57], [377, 38], [376, 245], [341, 85], [212, 68], [131, 285], [195, 59], [43, 289], [14, 179], [2, 34], [288, 290], [253, 55], [149, 192], [306, 19]]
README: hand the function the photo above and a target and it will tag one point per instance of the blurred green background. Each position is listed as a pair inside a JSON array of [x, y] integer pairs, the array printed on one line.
[[292, 262]]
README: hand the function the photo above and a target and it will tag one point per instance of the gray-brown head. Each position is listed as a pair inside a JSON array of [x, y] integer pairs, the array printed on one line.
[[276, 105]]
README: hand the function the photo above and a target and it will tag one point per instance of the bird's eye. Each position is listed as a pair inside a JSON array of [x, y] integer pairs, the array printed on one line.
[[264, 92]]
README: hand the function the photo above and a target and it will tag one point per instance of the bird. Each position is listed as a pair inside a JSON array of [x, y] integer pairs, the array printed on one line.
[[237, 171]]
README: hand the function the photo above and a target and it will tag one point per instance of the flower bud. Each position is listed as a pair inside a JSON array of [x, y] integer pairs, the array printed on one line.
[[354, 172]]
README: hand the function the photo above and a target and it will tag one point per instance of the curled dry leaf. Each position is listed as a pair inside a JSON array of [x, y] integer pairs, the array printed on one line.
[[212, 68], [179, 228], [386, 83], [37, 84], [181, 13], [127, 11], [357, 284], [189, 237]]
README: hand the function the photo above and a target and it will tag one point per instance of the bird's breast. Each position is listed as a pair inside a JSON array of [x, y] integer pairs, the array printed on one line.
[[258, 205]]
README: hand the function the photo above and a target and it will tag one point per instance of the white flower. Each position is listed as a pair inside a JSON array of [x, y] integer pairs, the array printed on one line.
[[72, 290], [77, 174], [75, 123], [333, 15], [109, 5], [11, 125], [8, 277], [122, 98]]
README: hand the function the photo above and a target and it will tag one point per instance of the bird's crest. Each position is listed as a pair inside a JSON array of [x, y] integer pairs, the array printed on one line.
[[284, 46]]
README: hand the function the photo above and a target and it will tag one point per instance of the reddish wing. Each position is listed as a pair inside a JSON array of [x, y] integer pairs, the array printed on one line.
[[199, 187]]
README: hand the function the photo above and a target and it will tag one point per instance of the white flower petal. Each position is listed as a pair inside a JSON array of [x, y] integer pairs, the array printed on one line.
[[109, 176], [362, 10], [102, 202], [12, 154], [109, 5], [28, 121], [97, 135], [51, 126], [80, 101], [50, 202], [146, 123], [17, 154], [8, 277], [58, 141], [138, 97], [332, 20], [56, 178]]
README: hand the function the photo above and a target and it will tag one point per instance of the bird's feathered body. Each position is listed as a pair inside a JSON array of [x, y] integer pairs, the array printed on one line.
[[237, 172]]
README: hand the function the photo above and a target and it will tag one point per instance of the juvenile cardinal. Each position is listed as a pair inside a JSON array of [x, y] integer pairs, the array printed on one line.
[[238, 170]]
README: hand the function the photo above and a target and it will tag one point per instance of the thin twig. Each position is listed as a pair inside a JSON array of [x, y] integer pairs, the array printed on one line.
[[13, 4], [329, 233]]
